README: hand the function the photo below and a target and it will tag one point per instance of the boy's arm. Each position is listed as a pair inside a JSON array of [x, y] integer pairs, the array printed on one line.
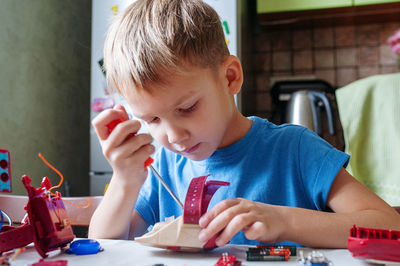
[[351, 202], [126, 151], [115, 217]]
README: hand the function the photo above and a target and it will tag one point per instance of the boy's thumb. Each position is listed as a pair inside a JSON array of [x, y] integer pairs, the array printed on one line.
[[121, 108]]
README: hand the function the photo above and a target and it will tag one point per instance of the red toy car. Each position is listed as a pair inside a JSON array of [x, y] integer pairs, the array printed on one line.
[[375, 244]]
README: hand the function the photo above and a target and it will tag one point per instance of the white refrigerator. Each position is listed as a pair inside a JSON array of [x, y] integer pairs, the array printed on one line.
[[102, 14]]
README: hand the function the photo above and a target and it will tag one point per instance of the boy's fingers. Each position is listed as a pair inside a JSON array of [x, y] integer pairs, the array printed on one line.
[[237, 224], [101, 121], [217, 209], [123, 131], [121, 108], [133, 145], [124, 157], [221, 220], [255, 230]]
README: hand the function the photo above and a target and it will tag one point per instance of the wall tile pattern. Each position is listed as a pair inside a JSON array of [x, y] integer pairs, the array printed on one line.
[[339, 55]]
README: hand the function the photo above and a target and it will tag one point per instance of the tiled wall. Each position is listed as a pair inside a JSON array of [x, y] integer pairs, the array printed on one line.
[[339, 55]]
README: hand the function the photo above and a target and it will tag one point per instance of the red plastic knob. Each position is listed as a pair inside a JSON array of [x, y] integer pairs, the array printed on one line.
[[113, 124], [148, 162]]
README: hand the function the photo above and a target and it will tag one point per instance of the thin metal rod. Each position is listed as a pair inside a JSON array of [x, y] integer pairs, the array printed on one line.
[[166, 186], [3, 213]]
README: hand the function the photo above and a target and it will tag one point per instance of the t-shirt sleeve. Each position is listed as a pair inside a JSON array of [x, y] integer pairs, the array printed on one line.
[[319, 164]]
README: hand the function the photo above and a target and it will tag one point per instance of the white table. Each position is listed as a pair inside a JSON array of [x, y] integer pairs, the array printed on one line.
[[125, 252]]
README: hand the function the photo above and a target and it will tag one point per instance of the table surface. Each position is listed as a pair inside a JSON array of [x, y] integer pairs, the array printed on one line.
[[126, 252]]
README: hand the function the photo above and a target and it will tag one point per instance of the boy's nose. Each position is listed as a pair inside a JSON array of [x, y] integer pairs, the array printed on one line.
[[176, 134]]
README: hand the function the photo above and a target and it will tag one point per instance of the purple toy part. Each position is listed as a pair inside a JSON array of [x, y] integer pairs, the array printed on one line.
[[197, 199]]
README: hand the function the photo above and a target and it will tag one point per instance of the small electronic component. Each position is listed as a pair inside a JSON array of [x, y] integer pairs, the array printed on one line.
[[226, 260], [268, 253], [315, 258], [5, 171], [292, 249]]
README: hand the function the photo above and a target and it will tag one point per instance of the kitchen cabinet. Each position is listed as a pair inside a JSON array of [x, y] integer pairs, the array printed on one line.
[[268, 6], [370, 2], [290, 14]]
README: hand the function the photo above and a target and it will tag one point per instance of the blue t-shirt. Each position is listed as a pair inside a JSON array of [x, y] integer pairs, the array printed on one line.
[[285, 165]]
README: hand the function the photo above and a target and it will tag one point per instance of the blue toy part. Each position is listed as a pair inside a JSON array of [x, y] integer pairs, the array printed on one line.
[[5, 171], [2, 219], [84, 247]]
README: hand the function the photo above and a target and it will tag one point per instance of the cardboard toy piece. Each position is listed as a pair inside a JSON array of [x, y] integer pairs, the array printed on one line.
[[182, 233]]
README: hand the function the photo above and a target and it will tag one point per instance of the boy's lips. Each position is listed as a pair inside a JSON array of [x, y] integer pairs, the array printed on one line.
[[191, 149]]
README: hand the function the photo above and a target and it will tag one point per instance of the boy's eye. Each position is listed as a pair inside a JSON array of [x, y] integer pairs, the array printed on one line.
[[154, 120], [190, 109]]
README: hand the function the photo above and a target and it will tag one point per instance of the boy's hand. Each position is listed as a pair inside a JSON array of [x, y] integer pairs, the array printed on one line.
[[259, 221], [125, 151]]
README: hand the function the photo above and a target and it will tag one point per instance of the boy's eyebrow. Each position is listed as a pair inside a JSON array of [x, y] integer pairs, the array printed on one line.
[[187, 96], [184, 98]]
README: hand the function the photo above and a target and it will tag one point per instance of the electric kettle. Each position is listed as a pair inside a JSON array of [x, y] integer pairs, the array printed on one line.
[[303, 109]]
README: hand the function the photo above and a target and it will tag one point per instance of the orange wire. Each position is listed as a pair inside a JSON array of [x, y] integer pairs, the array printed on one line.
[[54, 169], [69, 202], [83, 207], [59, 184]]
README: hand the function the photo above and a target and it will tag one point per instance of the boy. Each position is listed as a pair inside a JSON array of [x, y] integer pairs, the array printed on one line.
[[169, 59]]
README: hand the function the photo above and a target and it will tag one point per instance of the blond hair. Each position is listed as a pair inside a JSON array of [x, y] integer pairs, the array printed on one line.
[[153, 39]]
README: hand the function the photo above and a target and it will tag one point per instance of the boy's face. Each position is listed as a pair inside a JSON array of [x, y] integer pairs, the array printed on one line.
[[190, 115]]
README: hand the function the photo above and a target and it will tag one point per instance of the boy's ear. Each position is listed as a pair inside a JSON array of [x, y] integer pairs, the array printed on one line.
[[233, 73]]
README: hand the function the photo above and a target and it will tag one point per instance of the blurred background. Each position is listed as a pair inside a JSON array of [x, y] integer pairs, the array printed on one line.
[[46, 64], [45, 90]]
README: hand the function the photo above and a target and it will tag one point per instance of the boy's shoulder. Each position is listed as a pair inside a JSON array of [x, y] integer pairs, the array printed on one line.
[[282, 137], [264, 126]]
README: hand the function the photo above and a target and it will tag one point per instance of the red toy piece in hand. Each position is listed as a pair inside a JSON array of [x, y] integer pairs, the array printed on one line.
[[111, 127]]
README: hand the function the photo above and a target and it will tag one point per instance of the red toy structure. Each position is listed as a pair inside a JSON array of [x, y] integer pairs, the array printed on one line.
[[182, 233], [376, 244], [197, 199], [49, 227]]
